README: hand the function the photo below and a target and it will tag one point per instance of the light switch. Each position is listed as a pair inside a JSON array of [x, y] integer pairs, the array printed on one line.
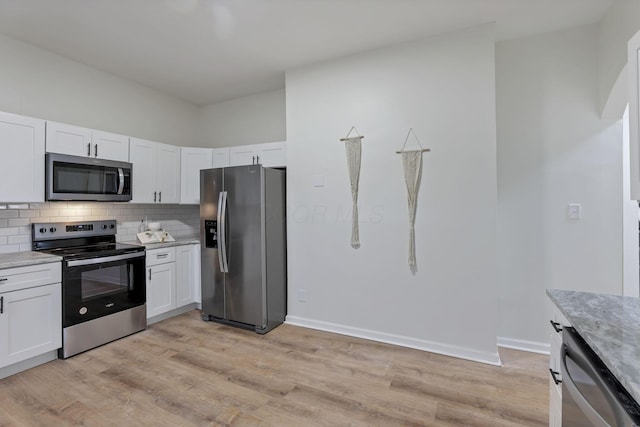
[[574, 211], [318, 180]]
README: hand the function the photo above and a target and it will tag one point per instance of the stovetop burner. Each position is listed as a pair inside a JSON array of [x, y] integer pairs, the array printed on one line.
[[101, 249], [89, 239]]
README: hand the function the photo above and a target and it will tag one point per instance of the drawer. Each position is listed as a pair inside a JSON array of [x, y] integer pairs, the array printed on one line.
[[14, 279], [161, 256]]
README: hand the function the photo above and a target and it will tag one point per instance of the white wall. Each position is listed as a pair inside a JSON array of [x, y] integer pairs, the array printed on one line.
[[444, 89], [620, 23], [248, 120], [553, 149], [37, 83], [630, 218]]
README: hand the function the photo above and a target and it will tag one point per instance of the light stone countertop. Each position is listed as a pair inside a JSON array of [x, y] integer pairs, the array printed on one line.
[[610, 324], [180, 241], [23, 259]]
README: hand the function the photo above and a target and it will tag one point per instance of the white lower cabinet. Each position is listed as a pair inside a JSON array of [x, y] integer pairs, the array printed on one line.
[[173, 279], [557, 323], [161, 281], [187, 274], [30, 312]]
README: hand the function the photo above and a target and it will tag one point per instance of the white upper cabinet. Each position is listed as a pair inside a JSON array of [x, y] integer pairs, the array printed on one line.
[[156, 172], [192, 161], [272, 154], [79, 141], [633, 72], [221, 157], [22, 159]]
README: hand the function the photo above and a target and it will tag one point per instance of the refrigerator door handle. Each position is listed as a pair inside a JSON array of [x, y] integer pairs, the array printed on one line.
[[222, 223], [219, 231]]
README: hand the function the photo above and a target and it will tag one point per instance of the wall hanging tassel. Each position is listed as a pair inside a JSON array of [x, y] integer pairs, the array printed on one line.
[[353, 146], [412, 167]]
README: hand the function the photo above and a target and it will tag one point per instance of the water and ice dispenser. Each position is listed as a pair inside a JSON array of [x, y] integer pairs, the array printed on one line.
[[210, 233]]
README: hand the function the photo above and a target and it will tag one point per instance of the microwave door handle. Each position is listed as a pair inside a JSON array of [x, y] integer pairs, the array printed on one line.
[[120, 180]]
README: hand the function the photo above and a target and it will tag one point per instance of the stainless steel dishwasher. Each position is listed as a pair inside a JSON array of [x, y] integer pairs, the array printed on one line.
[[591, 395]]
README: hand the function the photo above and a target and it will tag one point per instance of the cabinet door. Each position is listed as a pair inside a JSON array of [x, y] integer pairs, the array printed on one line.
[[30, 323], [22, 160], [273, 154], [110, 146], [142, 155], [242, 155], [192, 160], [220, 158], [187, 274], [633, 73], [168, 173], [68, 139], [161, 289]]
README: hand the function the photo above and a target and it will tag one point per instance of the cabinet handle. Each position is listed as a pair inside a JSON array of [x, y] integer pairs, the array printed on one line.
[[555, 326], [160, 197], [1, 305], [89, 150], [96, 150], [162, 255], [155, 193], [553, 375], [4, 279], [149, 274]]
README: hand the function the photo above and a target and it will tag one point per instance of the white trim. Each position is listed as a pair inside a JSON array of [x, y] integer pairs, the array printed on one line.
[[524, 345], [399, 340], [28, 364]]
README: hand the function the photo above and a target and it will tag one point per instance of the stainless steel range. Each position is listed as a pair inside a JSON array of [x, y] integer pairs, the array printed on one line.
[[103, 282]]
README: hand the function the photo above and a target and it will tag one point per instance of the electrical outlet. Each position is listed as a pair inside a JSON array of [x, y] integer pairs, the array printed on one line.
[[302, 295], [574, 211]]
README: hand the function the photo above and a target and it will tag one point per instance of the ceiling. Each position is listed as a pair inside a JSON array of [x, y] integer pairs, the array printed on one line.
[[206, 51]]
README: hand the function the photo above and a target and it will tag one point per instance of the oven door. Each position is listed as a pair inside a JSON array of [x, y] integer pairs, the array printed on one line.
[[80, 178], [96, 287]]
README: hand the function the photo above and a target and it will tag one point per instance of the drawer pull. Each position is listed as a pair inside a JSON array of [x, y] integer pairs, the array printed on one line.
[[4, 279], [162, 255], [553, 375], [1, 305], [556, 326], [149, 274]]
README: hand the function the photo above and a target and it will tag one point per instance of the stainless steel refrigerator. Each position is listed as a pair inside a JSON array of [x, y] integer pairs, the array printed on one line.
[[243, 242]]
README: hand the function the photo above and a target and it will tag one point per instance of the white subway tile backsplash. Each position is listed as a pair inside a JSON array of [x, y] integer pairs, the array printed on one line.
[[15, 225], [9, 214], [17, 222]]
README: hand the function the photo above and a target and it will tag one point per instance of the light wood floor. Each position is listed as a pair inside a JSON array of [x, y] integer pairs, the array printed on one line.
[[184, 371]]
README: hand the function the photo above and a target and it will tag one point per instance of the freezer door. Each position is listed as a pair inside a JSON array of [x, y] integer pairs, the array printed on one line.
[[245, 299], [212, 277]]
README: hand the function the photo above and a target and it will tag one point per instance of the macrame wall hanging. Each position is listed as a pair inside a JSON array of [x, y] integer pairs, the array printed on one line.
[[353, 145], [412, 166]]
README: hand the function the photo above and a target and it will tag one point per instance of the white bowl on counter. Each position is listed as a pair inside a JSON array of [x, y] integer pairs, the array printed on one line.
[[154, 226]]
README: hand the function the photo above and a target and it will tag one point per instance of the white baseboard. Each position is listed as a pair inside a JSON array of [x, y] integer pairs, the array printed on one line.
[[28, 364], [524, 345], [399, 340]]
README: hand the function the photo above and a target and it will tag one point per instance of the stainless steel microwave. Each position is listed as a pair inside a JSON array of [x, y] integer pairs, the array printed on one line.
[[84, 178]]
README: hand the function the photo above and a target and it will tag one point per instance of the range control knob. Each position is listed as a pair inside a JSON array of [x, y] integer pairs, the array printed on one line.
[[112, 226], [104, 226], [43, 230], [52, 229]]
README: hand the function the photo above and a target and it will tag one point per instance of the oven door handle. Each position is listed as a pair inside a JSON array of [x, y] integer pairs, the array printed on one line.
[[101, 260], [120, 178]]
